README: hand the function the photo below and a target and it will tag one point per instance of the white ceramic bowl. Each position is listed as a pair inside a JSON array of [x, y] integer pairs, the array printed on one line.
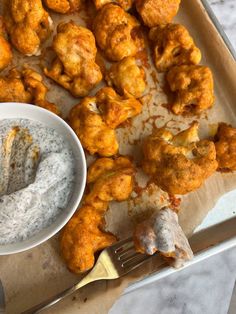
[[25, 111]]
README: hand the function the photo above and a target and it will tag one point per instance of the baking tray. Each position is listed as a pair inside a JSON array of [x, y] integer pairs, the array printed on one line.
[[217, 232], [34, 275]]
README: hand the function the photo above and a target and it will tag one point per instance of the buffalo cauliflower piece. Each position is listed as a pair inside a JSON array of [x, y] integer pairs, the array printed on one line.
[[83, 236], [28, 25], [5, 48], [162, 233], [117, 33], [74, 67], [127, 77], [226, 147], [116, 109], [156, 12], [95, 118], [193, 88], [33, 82], [26, 87], [172, 45], [179, 163], [109, 180], [63, 6], [125, 4]]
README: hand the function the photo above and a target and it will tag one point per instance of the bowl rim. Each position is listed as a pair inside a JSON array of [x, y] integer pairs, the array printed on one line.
[[31, 242]]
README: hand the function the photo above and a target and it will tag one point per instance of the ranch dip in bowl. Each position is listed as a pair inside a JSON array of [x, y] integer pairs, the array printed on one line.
[[42, 175]]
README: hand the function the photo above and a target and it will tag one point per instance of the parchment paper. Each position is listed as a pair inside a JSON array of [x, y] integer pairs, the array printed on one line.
[[31, 277]]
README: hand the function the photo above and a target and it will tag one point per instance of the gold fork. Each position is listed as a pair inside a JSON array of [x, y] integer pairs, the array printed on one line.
[[114, 262]]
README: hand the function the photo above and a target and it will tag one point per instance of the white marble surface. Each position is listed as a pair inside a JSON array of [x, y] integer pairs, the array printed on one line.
[[206, 287], [225, 11]]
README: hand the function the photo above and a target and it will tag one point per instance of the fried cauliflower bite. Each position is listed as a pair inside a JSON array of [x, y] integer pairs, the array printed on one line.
[[162, 233], [156, 12], [63, 6], [83, 236], [74, 67], [193, 88], [109, 180], [33, 82], [179, 163], [25, 87], [95, 118], [127, 77], [28, 25], [125, 4], [5, 48], [172, 45], [226, 147], [117, 33], [116, 109], [95, 136], [12, 88]]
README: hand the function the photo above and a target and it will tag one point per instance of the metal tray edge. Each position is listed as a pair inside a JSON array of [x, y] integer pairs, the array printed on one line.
[[198, 257]]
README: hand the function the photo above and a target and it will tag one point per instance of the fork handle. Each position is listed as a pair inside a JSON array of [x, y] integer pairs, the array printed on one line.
[[58, 297]]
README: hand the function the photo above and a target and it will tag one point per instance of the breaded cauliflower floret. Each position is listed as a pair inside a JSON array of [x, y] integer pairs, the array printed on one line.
[[226, 147], [116, 109], [179, 163], [83, 236], [193, 88], [172, 45], [95, 118], [117, 33], [26, 87], [109, 180], [127, 77], [12, 88], [28, 25], [74, 67], [156, 12], [33, 82], [63, 6], [162, 233], [5, 48], [125, 4]]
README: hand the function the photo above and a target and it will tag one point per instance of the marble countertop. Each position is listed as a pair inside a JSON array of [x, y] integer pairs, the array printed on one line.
[[206, 287], [225, 11]]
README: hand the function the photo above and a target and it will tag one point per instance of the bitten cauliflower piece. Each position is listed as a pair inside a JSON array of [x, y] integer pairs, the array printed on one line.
[[172, 45], [179, 163], [127, 77], [226, 147], [5, 48], [156, 12], [109, 180], [193, 88], [125, 4], [26, 87], [28, 25], [74, 67], [63, 6], [95, 118], [83, 236], [117, 33], [162, 233]]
